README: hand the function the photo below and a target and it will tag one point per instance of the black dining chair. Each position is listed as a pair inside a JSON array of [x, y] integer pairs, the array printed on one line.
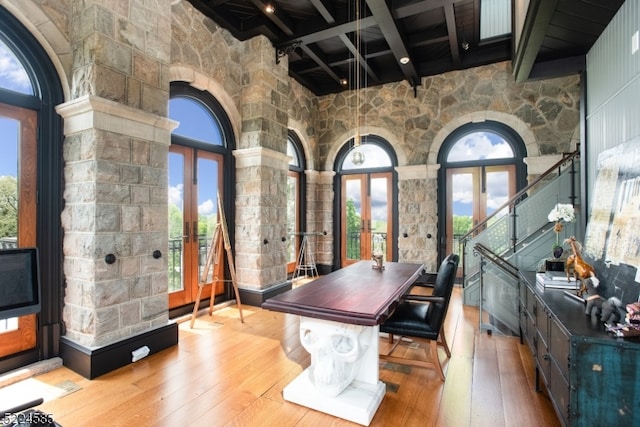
[[421, 317]]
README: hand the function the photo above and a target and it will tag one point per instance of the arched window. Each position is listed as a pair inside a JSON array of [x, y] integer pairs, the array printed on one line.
[[31, 177], [373, 156], [481, 170], [365, 200], [199, 168], [295, 199]]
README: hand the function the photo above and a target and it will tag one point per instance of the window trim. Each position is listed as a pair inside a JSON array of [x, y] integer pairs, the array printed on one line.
[[337, 185], [301, 197], [208, 100], [50, 137]]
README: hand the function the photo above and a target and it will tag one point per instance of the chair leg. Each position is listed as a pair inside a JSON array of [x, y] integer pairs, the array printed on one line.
[[443, 343], [393, 345], [432, 362], [433, 349]]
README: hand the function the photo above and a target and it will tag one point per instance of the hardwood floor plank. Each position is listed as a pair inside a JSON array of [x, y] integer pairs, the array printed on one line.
[[455, 405], [515, 386], [486, 406]]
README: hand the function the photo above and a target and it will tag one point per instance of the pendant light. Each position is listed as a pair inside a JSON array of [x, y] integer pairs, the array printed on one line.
[[357, 155]]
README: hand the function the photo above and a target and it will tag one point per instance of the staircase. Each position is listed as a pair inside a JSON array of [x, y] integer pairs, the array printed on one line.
[[518, 236]]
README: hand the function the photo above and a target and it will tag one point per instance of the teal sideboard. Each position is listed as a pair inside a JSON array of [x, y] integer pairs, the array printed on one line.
[[592, 378]]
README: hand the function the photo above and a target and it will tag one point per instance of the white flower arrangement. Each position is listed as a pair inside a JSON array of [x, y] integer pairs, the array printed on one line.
[[562, 212]]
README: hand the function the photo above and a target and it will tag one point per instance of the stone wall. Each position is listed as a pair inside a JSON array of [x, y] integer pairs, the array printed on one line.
[[115, 154], [549, 108], [545, 113]]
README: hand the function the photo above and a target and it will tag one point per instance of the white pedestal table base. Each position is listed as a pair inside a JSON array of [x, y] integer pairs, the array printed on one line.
[[360, 400]]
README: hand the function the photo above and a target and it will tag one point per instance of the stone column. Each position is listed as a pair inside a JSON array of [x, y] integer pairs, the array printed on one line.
[[115, 215], [418, 215], [261, 212], [320, 197], [261, 174]]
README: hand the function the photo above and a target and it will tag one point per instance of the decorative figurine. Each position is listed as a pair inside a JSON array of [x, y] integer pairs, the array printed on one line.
[[378, 258], [575, 264]]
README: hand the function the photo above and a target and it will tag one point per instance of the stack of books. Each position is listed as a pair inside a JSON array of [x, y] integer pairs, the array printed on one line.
[[555, 280]]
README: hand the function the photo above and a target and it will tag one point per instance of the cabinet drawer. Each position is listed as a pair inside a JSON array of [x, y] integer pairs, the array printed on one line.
[[559, 390], [530, 301], [559, 347], [529, 330], [542, 357], [542, 321]]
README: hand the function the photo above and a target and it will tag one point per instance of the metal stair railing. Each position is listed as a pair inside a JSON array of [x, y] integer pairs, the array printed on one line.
[[505, 281], [520, 217], [519, 232]]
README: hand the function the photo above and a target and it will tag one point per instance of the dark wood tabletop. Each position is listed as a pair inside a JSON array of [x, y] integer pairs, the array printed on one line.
[[357, 294]]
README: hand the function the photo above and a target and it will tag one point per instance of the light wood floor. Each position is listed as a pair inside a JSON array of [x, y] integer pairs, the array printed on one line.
[[225, 373]]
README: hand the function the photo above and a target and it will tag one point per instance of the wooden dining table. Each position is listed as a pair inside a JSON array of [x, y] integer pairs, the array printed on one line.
[[339, 325]]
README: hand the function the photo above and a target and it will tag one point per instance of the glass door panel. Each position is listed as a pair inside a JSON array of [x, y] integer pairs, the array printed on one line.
[[462, 204], [293, 220], [176, 218], [208, 185], [353, 218], [18, 173], [380, 209], [500, 186]]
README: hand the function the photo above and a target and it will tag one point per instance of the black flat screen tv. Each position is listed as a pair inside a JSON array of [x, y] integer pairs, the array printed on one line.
[[19, 282]]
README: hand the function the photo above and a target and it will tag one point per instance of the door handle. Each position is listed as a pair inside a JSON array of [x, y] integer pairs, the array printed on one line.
[[186, 232], [195, 232]]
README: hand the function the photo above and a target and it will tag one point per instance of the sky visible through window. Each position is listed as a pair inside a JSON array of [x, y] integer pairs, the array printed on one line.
[[475, 146], [12, 77], [197, 123]]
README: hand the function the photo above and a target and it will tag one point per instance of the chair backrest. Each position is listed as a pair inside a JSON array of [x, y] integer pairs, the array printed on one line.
[[443, 288]]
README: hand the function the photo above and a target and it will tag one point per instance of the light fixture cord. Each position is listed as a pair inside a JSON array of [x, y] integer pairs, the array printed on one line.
[[357, 76]]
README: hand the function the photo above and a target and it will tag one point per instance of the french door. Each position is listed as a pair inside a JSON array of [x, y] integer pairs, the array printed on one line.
[[18, 209], [195, 180], [473, 194], [293, 219], [366, 225]]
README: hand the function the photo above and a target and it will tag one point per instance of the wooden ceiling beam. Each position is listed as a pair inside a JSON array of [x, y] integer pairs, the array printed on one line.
[[539, 15], [392, 34]]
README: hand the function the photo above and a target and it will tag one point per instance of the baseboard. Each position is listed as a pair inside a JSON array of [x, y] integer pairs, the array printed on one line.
[[324, 269], [256, 297], [16, 361], [91, 363]]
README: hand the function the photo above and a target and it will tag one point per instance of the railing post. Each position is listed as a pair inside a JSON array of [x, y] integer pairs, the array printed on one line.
[[573, 172], [464, 263], [514, 233]]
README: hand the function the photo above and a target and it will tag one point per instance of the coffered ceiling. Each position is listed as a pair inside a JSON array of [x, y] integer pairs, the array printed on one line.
[[326, 40]]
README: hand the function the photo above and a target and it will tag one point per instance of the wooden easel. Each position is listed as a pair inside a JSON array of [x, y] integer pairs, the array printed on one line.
[[215, 258]]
